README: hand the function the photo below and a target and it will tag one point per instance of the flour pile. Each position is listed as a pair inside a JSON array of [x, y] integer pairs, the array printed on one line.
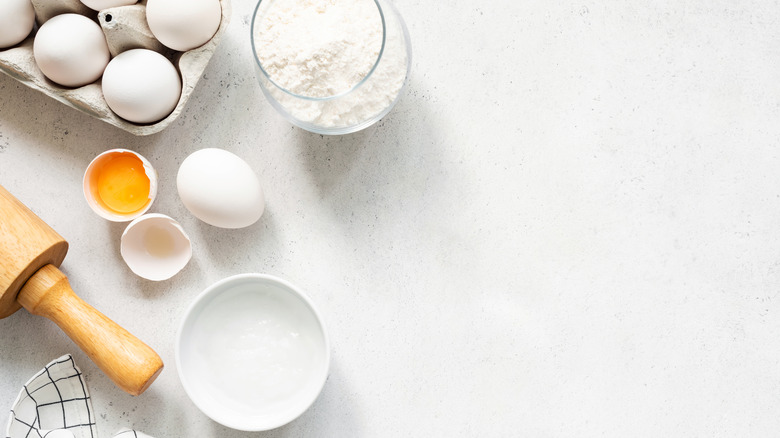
[[324, 48]]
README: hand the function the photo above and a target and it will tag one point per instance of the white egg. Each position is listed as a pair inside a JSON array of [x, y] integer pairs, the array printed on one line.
[[155, 247], [71, 50], [183, 24], [17, 18], [220, 189], [141, 86], [99, 5]]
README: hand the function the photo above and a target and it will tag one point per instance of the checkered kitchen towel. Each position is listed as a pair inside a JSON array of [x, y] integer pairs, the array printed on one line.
[[55, 403]]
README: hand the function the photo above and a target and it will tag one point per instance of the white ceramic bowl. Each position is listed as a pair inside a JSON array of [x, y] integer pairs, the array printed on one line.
[[252, 352]]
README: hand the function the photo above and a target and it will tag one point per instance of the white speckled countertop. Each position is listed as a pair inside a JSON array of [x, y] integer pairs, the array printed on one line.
[[568, 227]]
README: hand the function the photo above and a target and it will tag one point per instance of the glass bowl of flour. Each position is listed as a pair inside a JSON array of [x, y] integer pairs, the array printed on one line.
[[331, 66]]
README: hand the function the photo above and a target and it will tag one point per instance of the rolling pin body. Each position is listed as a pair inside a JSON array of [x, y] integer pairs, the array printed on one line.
[[30, 252]]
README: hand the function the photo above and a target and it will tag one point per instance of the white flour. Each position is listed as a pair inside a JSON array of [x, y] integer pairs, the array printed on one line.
[[323, 48], [319, 48]]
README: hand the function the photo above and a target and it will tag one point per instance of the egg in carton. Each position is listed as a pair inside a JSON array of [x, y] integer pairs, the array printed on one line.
[[125, 28]]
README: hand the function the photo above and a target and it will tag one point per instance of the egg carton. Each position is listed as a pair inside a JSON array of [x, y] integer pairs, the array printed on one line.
[[125, 28]]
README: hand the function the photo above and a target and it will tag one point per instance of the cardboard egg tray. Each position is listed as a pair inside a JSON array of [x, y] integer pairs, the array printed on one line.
[[125, 28]]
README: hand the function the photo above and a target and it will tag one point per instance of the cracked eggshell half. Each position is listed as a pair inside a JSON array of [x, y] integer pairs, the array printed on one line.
[[220, 189], [120, 178], [155, 247]]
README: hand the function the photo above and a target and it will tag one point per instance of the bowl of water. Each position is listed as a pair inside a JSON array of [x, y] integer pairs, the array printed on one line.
[[252, 352]]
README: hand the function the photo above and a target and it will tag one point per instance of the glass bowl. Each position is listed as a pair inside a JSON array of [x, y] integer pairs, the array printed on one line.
[[361, 106]]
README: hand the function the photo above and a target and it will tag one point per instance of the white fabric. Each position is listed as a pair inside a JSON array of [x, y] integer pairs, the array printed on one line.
[[55, 403]]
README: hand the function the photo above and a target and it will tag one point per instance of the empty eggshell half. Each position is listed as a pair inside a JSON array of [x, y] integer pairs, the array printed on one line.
[[155, 247]]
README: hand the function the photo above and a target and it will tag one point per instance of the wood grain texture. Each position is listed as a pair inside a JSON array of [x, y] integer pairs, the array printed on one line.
[[127, 361], [27, 243], [30, 252]]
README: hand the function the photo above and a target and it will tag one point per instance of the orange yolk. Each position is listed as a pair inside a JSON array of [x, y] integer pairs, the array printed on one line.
[[122, 183]]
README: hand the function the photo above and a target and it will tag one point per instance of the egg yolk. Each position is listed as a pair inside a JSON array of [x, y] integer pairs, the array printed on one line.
[[122, 184]]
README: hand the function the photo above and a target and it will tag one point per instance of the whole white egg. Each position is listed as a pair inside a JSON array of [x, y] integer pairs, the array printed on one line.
[[71, 50], [141, 86], [183, 24], [99, 5], [220, 189], [17, 18]]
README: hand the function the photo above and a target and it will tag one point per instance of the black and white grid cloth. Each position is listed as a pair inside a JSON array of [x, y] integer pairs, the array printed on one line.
[[55, 403]]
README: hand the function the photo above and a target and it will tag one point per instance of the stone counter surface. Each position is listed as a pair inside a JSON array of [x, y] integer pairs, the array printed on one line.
[[568, 227]]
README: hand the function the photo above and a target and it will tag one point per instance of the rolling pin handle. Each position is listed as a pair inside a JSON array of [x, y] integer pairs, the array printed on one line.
[[126, 360]]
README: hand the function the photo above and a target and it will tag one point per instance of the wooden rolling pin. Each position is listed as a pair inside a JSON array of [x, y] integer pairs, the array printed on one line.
[[30, 252]]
